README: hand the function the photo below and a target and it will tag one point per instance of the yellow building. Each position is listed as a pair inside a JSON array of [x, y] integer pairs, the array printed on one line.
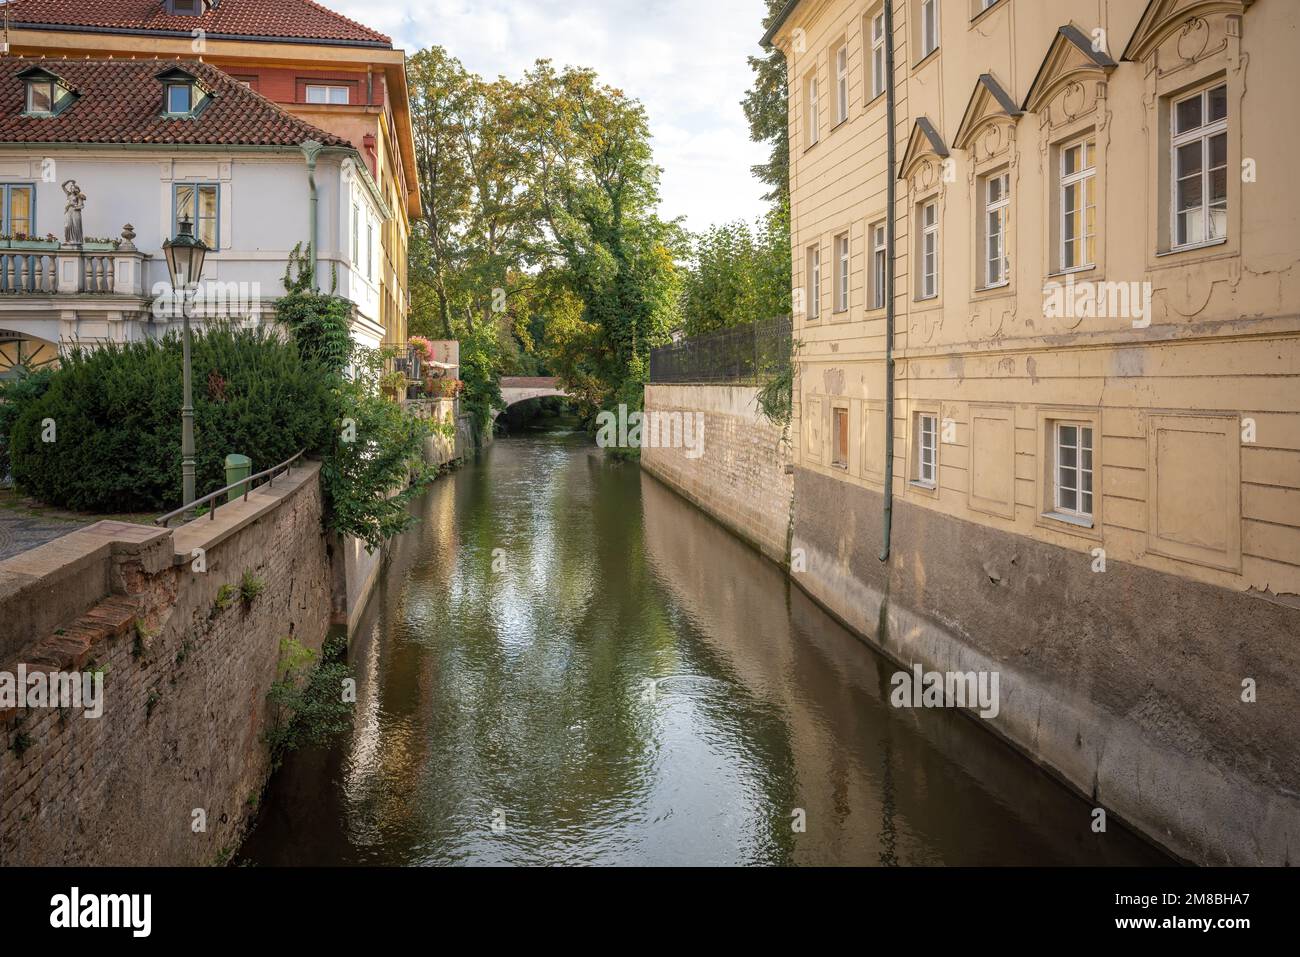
[[1096, 392]]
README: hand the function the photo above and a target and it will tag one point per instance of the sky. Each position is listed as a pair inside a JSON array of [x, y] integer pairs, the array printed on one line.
[[685, 60]]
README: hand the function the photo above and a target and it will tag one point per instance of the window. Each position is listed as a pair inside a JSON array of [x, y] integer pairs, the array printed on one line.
[[19, 208], [356, 234], [1078, 204], [180, 98], [997, 198], [329, 94], [814, 280], [842, 272], [929, 27], [811, 134], [198, 202], [1072, 482], [879, 263], [929, 278], [370, 250], [40, 96], [877, 54], [840, 438], [841, 83], [1200, 167], [185, 7], [985, 4], [926, 449]]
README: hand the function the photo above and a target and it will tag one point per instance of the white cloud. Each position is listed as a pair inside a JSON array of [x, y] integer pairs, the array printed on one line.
[[684, 59]]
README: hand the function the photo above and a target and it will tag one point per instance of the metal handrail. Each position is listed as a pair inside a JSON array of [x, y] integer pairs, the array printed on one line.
[[287, 465]]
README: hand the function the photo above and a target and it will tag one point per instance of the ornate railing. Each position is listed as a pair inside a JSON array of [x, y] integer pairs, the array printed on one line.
[[751, 353], [34, 270]]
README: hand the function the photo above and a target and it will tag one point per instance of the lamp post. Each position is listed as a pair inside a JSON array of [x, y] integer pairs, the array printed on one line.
[[185, 256]]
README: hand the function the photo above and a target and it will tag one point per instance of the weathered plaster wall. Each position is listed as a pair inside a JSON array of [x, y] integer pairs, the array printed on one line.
[[185, 692], [740, 477], [1127, 683]]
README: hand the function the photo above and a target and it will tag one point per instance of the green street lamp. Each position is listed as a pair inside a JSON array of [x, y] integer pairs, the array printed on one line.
[[185, 256]]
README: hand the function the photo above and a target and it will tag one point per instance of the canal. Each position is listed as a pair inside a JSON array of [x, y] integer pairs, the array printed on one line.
[[567, 663]]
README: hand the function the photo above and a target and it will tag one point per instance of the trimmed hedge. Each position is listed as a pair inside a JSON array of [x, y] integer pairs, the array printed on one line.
[[116, 410]]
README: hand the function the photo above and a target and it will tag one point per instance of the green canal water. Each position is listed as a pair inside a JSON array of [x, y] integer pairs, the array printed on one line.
[[567, 663]]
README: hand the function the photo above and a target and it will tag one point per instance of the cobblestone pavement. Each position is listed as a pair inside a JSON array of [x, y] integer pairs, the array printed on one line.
[[19, 532]]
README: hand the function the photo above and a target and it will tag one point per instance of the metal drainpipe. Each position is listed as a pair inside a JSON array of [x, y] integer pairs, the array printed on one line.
[[311, 149], [890, 149]]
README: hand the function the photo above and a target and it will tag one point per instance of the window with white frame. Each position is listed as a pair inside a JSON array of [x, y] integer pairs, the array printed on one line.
[[356, 234], [1199, 142], [198, 203], [17, 209], [928, 221], [842, 272], [929, 27], [841, 83], [338, 95], [370, 250], [811, 134], [180, 98], [877, 54], [1078, 204], [1072, 470], [41, 96], [879, 264], [997, 209], [814, 281], [925, 449]]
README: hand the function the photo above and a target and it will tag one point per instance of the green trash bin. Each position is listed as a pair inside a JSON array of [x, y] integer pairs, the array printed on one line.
[[237, 467]]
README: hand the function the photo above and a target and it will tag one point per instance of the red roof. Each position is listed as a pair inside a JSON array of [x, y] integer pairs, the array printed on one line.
[[257, 19], [121, 101]]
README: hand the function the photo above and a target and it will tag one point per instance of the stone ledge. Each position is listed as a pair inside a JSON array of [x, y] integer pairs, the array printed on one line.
[[211, 530]]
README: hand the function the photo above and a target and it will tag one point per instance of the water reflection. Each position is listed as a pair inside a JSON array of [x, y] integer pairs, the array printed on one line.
[[566, 648]]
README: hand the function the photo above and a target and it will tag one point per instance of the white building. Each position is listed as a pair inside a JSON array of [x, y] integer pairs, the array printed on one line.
[[149, 142]]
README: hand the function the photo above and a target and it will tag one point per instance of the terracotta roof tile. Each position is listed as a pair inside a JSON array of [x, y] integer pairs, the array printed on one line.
[[263, 19], [121, 102]]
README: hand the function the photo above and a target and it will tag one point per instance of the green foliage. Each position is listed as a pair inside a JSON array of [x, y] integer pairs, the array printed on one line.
[[16, 394], [250, 587], [116, 409], [307, 705], [479, 368], [374, 464], [738, 274], [766, 106], [319, 322], [225, 598]]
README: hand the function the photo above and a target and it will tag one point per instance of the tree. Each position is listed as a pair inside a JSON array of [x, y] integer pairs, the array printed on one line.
[[766, 106]]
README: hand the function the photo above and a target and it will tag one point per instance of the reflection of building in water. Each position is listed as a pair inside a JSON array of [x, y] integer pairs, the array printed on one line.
[[879, 785]]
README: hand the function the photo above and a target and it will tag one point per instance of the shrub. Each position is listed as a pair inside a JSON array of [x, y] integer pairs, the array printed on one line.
[[16, 395], [307, 703], [116, 409]]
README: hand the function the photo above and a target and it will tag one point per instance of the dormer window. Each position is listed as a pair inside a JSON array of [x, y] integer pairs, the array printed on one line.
[[180, 99], [185, 8], [40, 96]]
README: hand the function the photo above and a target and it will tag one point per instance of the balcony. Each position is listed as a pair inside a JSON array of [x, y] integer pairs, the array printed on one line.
[[50, 268]]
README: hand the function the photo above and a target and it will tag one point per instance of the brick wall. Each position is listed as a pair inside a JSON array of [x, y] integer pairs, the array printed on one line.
[[740, 477], [184, 693]]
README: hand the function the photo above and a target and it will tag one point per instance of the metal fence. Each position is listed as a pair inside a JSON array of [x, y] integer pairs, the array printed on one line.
[[752, 353]]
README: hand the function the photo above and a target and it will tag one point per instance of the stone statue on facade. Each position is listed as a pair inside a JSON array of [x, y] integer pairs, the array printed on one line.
[[72, 232]]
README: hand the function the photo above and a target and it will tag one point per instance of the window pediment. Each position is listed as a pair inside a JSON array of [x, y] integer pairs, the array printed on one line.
[[1071, 60], [989, 110], [924, 147], [1163, 18]]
